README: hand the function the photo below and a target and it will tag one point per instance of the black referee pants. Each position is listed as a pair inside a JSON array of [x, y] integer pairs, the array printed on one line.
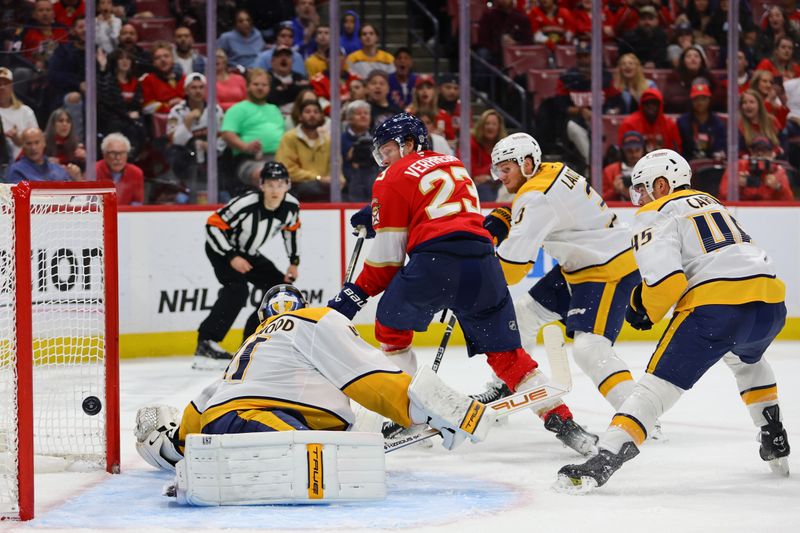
[[233, 295]]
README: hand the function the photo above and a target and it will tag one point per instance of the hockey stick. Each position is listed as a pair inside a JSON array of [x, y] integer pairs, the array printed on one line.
[[362, 234], [445, 339], [527, 399]]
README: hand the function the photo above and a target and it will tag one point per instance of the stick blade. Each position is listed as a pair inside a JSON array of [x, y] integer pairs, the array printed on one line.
[[556, 349]]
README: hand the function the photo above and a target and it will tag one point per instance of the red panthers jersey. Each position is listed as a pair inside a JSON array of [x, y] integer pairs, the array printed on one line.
[[422, 197]]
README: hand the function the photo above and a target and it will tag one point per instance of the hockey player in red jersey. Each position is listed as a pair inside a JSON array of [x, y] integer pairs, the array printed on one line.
[[425, 205]]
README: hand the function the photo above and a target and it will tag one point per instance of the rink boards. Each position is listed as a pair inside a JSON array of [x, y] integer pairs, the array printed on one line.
[[167, 285]]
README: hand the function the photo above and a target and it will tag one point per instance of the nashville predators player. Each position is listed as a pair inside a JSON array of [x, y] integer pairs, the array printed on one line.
[[728, 304], [298, 371], [556, 208]]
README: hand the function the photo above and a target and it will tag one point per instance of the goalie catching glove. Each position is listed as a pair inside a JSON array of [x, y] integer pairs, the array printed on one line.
[[455, 415], [498, 224], [636, 314]]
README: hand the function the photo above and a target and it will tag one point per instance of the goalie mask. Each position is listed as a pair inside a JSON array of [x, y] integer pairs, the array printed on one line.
[[281, 299], [516, 148], [666, 164]]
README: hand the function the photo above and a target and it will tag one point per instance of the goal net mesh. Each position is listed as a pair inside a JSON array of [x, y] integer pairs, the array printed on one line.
[[68, 330]]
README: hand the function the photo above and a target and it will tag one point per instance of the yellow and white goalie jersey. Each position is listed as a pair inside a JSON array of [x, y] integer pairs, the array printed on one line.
[[558, 209], [309, 362], [692, 252]]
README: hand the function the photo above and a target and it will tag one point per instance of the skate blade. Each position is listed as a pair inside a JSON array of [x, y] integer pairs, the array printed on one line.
[[567, 485], [780, 466], [206, 363]]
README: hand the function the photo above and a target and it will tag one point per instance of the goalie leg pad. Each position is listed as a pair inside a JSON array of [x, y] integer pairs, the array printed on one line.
[[281, 467], [638, 415], [156, 428], [455, 414]]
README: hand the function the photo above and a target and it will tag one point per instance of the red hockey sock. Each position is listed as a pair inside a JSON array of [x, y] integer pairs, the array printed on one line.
[[511, 366], [561, 410], [394, 338]]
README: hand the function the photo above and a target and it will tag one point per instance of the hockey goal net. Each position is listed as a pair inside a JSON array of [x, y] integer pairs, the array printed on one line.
[[59, 397]]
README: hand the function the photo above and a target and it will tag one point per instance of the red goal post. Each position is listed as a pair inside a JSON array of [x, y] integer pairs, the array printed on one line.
[[59, 356]]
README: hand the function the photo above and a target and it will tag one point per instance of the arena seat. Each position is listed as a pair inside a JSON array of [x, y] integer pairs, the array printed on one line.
[[543, 83], [522, 58], [565, 56], [154, 29], [159, 8], [610, 130]]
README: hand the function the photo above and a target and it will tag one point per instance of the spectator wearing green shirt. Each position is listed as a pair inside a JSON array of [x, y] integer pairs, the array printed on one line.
[[253, 128]]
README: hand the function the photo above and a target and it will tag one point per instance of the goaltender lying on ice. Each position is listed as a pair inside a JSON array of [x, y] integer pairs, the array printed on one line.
[[272, 428]]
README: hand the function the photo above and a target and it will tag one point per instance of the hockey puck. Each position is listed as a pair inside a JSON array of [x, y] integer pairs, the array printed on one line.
[[92, 405]]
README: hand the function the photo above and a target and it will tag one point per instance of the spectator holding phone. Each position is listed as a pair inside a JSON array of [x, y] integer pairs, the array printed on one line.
[[760, 177]]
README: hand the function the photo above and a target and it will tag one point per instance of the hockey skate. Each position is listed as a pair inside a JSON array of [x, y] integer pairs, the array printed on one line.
[[586, 477], [571, 434], [496, 390], [774, 443], [209, 355]]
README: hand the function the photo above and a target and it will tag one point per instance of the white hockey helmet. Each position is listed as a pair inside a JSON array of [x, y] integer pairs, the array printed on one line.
[[516, 147], [666, 164]]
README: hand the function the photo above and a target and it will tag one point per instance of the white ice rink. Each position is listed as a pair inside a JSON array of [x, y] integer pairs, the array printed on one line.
[[706, 477]]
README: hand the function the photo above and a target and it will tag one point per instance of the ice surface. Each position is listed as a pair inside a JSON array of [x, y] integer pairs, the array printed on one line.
[[707, 477]]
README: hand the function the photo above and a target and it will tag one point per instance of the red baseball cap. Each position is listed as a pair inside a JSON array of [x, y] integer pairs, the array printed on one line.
[[425, 80], [700, 89]]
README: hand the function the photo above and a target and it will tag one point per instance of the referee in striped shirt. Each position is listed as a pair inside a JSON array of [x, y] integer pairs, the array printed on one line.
[[234, 235]]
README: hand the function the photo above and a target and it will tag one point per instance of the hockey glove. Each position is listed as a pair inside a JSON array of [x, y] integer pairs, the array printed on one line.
[[363, 218], [498, 223], [349, 301], [636, 315]]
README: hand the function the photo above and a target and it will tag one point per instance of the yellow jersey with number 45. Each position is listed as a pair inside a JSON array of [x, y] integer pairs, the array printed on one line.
[[310, 363], [692, 252], [558, 209]]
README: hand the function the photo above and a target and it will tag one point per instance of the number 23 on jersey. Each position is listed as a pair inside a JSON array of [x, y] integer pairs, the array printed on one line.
[[443, 204]]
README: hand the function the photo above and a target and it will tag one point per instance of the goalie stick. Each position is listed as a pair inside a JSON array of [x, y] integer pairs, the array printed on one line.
[[528, 399]]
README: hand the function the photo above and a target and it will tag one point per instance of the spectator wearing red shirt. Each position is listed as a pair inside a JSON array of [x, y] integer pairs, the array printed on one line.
[[760, 178], [41, 38], [582, 19], [617, 176], [62, 144], [755, 121], [163, 88], [658, 130], [66, 11], [488, 130], [550, 24], [782, 63], [128, 178], [764, 84]]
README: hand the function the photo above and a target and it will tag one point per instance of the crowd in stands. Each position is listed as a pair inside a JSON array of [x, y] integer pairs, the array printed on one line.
[[664, 86]]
